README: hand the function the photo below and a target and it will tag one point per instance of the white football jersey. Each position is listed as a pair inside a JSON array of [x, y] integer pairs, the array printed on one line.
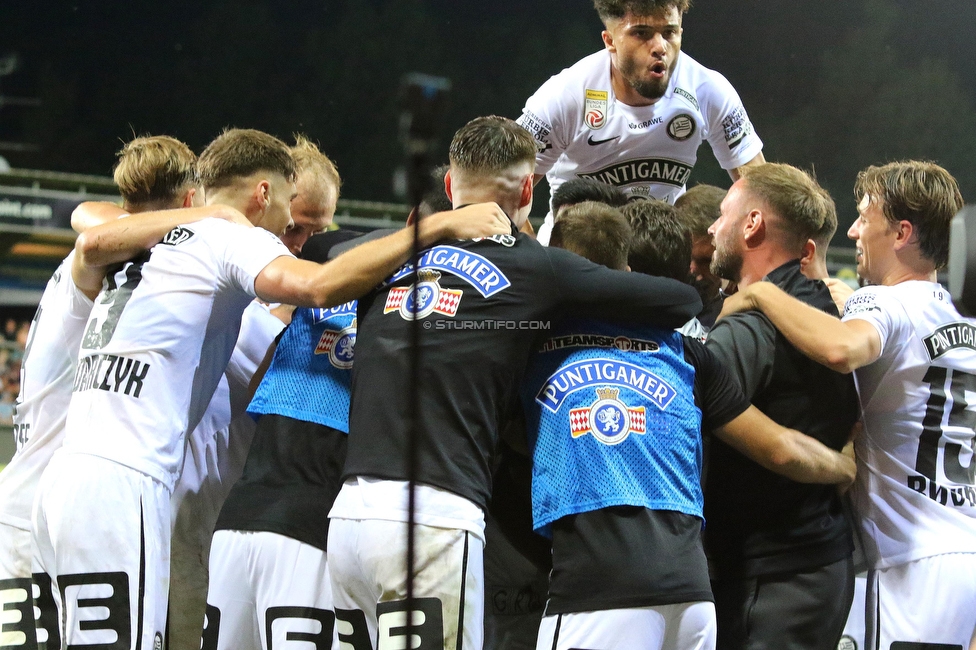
[[915, 492], [46, 375], [158, 340], [647, 151], [217, 447]]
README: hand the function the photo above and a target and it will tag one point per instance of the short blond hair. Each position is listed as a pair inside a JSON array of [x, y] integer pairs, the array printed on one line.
[[795, 197], [154, 170], [309, 160]]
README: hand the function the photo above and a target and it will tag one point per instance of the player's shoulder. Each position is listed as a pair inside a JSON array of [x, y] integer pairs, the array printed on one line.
[[570, 85], [879, 298], [707, 84]]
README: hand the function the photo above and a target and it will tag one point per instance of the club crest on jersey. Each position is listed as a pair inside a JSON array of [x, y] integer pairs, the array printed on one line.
[[428, 299], [595, 109], [608, 419], [588, 373], [681, 127], [177, 236], [339, 345]]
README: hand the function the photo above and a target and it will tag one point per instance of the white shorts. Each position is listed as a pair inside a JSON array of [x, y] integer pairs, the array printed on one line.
[[266, 589], [367, 559], [682, 626], [101, 531], [930, 601], [26, 592]]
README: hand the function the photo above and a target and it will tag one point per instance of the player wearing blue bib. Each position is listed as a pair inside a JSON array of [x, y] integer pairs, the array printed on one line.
[[614, 417]]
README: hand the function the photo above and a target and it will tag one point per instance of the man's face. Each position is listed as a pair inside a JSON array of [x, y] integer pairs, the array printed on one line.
[[311, 212], [873, 240], [277, 216], [727, 235], [644, 49], [702, 250]]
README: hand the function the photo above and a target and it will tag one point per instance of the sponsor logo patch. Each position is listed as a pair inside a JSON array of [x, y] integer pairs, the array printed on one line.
[[950, 337], [477, 270], [595, 109], [681, 127], [319, 315], [429, 298], [601, 372], [177, 236], [599, 341], [538, 127], [608, 419], [646, 170], [736, 126], [687, 95]]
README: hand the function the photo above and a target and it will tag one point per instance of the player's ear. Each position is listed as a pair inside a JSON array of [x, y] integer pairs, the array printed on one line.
[[262, 194], [447, 185], [188, 197], [754, 228], [527, 186], [903, 234], [807, 254], [608, 40]]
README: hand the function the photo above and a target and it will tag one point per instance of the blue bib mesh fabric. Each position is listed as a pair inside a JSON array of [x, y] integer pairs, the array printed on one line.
[[311, 369], [611, 421]]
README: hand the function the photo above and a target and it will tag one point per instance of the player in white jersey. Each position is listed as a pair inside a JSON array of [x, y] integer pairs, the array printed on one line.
[[218, 447], [156, 344], [914, 359], [634, 114], [153, 173]]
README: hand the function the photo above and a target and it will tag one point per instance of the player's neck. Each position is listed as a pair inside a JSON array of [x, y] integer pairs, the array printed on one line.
[[759, 263], [235, 199]]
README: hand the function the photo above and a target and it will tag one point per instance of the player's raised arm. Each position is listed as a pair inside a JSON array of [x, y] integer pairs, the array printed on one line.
[[359, 270]]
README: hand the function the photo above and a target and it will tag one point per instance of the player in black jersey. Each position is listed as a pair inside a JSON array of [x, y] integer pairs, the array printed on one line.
[[481, 303], [782, 549]]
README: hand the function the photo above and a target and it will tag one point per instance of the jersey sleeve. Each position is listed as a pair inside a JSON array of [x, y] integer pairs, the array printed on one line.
[[548, 116], [719, 396], [872, 305], [592, 290], [246, 252], [745, 344], [730, 133]]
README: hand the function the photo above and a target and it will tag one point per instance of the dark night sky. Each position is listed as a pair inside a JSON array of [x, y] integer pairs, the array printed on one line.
[[832, 85]]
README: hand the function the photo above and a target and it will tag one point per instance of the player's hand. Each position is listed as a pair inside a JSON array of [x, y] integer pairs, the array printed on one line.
[[470, 222], [848, 451], [741, 300], [840, 291], [228, 213]]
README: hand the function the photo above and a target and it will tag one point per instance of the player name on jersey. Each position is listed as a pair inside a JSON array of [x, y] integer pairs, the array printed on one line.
[[112, 373], [958, 496], [658, 170]]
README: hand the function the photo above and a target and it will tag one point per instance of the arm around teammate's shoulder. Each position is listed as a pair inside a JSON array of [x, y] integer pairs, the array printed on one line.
[[595, 290], [358, 271], [119, 240], [843, 346]]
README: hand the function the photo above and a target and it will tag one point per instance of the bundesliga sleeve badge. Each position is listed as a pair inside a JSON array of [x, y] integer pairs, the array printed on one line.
[[595, 109]]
